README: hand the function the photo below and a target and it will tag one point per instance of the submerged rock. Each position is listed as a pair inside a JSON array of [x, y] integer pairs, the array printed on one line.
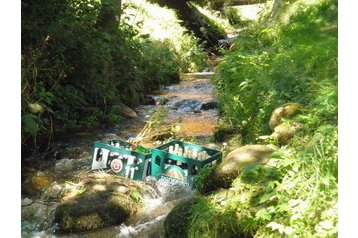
[[42, 180], [187, 105], [38, 213], [237, 159]]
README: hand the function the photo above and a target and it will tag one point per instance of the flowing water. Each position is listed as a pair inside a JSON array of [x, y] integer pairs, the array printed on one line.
[[190, 105]]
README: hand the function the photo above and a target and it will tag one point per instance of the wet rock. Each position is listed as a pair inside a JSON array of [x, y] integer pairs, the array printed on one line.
[[127, 111], [209, 105], [42, 180], [149, 100], [102, 200], [285, 111], [238, 159], [26, 202], [39, 214], [187, 105]]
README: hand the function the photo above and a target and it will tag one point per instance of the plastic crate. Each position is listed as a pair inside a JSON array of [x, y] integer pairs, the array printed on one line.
[[117, 156], [180, 168]]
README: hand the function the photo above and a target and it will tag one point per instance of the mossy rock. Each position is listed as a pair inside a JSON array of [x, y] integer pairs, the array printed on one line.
[[238, 159], [178, 221], [284, 132], [285, 111], [104, 201], [91, 211]]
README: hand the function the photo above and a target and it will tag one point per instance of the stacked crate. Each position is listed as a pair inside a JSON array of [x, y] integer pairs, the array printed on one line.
[[179, 161], [122, 158]]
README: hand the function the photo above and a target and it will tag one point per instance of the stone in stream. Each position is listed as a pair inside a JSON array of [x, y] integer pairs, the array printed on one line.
[[42, 180], [149, 100], [101, 200], [37, 214], [209, 105], [127, 111], [187, 105], [238, 159]]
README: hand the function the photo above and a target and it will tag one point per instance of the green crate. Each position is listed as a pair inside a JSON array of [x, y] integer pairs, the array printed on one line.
[[181, 168], [117, 156]]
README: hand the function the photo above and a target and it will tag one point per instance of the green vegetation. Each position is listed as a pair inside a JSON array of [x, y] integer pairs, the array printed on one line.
[[79, 61], [162, 24], [291, 58]]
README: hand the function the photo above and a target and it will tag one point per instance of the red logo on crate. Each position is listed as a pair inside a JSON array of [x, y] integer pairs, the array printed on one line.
[[116, 165]]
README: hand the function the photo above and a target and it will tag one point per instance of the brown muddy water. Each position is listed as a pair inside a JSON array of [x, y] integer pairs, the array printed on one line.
[[190, 105]]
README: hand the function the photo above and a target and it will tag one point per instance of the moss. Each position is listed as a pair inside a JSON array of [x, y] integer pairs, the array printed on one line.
[[101, 204], [92, 211]]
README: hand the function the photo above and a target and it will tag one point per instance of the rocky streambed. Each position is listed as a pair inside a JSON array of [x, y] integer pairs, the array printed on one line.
[[62, 197]]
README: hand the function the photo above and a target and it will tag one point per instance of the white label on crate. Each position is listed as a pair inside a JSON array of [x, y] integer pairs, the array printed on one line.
[[116, 165], [101, 162]]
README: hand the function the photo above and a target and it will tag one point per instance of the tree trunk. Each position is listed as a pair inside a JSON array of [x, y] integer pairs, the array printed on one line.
[[193, 20], [275, 8]]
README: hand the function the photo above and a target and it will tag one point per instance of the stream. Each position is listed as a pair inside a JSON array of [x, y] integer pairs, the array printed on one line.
[[190, 105]]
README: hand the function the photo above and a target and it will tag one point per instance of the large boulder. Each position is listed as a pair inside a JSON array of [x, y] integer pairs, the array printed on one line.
[[285, 111], [238, 159], [97, 201]]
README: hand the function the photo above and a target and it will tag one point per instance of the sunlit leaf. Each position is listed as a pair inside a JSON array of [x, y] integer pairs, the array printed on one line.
[[36, 107]]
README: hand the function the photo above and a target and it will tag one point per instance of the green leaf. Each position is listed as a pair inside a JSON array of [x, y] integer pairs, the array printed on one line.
[[263, 215], [36, 107], [136, 196], [265, 198], [30, 124]]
